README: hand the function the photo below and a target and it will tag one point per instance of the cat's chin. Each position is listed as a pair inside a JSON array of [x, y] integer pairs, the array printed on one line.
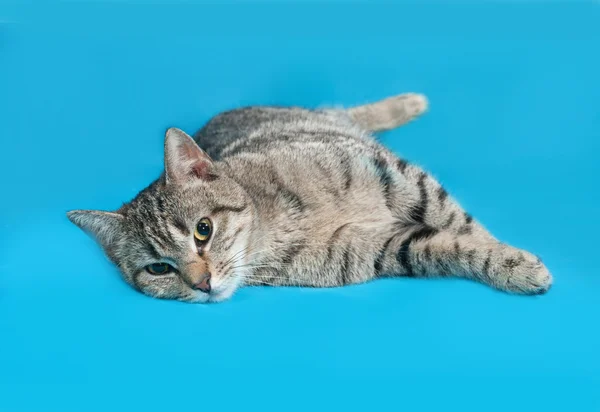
[[216, 296], [223, 294], [199, 297], [220, 297]]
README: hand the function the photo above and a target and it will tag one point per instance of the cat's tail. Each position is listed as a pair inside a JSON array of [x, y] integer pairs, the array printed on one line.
[[389, 113]]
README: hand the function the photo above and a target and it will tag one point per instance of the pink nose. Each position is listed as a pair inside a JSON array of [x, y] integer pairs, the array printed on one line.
[[204, 283]]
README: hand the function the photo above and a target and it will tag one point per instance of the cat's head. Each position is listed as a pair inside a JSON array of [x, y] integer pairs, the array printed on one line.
[[186, 235]]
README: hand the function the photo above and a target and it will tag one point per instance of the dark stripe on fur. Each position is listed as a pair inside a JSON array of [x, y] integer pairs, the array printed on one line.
[[258, 143], [418, 212], [160, 204], [347, 177], [329, 185], [471, 257], [230, 240], [345, 267], [224, 208], [152, 251], [401, 165], [512, 263], [165, 232], [465, 230], [333, 239], [378, 264], [450, 220], [427, 253], [346, 171], [423, 233], [486, 265], [456, 250], [289, 254], [157, 239], [385, 179], [292, 199], [181, 226], [442, 195], [402, 256], [468, 218]]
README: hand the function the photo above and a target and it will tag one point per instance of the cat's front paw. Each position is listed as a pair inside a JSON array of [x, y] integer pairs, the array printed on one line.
[[521, 272]]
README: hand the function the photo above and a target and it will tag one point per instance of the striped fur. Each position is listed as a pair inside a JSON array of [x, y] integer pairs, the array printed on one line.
[[300, 197]]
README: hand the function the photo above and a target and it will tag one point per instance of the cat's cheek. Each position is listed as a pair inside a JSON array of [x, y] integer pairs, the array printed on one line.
[[159, 287]]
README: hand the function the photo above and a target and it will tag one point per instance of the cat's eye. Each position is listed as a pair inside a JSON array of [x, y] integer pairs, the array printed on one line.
[[159, 268], [203, 230]]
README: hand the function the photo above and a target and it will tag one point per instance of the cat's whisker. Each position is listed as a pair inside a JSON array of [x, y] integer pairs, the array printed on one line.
[[239, 255], [235, 255], [258, 265], [232, 267], [299, 282], [272, 282], [230, 262]]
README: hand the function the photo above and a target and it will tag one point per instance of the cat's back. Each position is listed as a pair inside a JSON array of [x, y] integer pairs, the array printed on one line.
[[299, 164], [313, 150], [257, 129]]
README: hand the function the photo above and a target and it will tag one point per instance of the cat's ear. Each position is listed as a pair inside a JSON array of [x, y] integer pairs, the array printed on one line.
[[184, 160], [103, 226]]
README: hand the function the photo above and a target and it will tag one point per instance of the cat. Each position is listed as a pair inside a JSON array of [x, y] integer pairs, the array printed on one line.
[[298, 197]]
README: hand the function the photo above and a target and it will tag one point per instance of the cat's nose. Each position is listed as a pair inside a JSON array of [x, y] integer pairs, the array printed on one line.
[[204, 283]]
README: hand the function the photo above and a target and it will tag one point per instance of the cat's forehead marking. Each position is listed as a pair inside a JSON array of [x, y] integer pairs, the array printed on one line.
[[237, 208], [180, 225], [180, 238], [152, 251]]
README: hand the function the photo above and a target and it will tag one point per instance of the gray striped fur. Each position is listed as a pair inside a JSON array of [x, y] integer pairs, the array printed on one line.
[[300, 197]]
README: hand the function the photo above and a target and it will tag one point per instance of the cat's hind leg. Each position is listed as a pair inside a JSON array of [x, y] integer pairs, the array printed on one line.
[[436, 236], [389, 113], [428, 252]]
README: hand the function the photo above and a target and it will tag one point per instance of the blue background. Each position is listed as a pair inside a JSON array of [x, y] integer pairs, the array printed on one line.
[[86, 93]]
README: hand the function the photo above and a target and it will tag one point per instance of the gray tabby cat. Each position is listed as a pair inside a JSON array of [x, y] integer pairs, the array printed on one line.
[[288, 196]]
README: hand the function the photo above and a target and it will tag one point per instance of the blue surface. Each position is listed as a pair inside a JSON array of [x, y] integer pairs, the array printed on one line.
[[86, 92]]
